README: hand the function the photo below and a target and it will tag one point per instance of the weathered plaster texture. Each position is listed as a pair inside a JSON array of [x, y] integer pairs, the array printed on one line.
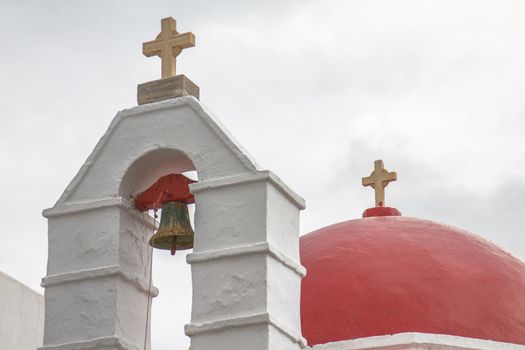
[[417, 341], [245, 264], [21, 315]]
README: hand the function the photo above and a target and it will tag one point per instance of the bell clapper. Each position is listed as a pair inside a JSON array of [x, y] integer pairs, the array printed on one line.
[[174, 245]]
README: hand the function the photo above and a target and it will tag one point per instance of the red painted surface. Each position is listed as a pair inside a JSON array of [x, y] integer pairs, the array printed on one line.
[[169, 188], [386, 275], [381, 211]]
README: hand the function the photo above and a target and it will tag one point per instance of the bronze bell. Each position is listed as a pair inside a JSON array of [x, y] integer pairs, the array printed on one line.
[[175, 232]]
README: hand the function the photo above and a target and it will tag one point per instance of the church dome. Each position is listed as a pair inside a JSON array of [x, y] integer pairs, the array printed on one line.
[[391, 274]]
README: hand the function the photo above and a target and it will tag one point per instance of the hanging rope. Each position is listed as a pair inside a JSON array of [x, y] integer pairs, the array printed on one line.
[[149, 283]]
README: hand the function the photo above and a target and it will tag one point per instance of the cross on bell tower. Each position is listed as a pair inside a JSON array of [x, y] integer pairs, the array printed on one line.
[[168, 45], [378, 180]]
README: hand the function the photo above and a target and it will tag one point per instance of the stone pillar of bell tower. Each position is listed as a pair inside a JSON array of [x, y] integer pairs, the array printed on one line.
[[245, 265]]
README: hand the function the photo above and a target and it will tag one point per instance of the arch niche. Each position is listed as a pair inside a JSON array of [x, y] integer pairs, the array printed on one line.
[[245, 265], [144, 172]]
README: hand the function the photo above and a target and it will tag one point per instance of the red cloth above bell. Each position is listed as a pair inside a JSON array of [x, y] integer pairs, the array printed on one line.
[[169, 188]]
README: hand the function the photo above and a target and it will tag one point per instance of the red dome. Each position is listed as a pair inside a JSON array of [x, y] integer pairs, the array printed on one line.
[[387, 275]]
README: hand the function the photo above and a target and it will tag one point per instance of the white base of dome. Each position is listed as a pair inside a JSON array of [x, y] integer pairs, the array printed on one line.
[[418, 341]]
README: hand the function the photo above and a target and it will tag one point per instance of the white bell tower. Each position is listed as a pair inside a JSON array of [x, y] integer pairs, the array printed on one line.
[[245, 265]]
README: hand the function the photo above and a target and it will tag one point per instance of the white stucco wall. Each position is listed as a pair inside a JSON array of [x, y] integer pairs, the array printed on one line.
[[246, 273], [21, 315]]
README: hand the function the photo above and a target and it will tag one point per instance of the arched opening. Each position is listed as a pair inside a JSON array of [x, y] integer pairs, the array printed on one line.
[[171, 309], [150, 167]]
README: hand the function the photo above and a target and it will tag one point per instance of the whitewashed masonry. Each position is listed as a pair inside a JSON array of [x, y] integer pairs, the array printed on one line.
[[245, 266]]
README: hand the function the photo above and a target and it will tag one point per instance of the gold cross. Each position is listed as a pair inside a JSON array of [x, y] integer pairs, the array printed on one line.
[[168, 45], [379, 179]]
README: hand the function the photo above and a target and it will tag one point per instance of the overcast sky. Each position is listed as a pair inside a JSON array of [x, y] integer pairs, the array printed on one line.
[[314, 90]]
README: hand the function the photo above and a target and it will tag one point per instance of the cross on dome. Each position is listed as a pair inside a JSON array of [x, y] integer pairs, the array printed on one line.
[[378, 180], [168, 45]]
